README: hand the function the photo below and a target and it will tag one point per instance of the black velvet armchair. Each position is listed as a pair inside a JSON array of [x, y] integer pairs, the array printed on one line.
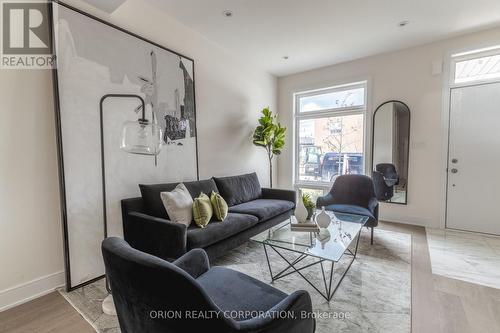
[[388, 171], [382, 191], [353, 194], [152, 295]]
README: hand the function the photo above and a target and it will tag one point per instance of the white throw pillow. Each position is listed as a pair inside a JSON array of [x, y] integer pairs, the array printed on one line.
[[178, 204]]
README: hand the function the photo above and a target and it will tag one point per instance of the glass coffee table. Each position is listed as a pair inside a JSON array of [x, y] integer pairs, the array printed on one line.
[[328, 245]]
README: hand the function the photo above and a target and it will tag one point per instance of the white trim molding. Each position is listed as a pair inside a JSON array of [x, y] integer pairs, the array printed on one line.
[[30, 290]]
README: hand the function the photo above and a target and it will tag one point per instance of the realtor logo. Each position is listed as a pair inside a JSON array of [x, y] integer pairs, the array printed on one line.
[[26, 41]]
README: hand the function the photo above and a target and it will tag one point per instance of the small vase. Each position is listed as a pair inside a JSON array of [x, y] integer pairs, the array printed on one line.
[[301, 212], [323, 219]]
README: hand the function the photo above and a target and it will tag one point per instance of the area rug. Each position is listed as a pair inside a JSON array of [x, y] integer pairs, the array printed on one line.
[[375, 295]]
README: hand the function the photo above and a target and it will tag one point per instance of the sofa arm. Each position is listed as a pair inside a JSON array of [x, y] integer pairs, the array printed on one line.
[[132, 205], [195, 262], [156, 236], [274, 193], [299, 303]]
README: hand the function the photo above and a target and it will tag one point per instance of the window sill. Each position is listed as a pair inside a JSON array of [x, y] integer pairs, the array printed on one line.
[[313, 184]]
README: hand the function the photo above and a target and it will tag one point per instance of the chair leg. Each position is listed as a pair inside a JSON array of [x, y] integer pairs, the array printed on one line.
[[371, 242]]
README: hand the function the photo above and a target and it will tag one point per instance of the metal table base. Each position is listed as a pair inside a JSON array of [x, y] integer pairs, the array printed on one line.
[[329, 289]]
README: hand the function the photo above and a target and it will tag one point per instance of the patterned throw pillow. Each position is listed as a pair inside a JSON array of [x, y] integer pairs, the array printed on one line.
[[202, 210], [219, 206]]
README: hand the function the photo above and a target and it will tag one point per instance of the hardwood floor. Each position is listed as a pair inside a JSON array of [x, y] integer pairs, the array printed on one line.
[[439, 304], [424, 301], [444, 305], [50, 313]]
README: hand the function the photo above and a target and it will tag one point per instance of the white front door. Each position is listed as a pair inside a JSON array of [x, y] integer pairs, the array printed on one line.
[[474, 159]]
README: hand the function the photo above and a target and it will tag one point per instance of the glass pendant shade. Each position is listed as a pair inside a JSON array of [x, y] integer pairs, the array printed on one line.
[[141, 137]]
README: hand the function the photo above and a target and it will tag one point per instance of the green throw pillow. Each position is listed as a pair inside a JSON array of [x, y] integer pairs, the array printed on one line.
[[202, 210], [219, 206]]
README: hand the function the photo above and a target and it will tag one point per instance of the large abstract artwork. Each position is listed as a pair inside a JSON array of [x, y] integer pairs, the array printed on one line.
[[95, 59]]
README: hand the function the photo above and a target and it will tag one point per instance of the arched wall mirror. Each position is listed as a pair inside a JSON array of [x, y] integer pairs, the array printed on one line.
[[390, 151]]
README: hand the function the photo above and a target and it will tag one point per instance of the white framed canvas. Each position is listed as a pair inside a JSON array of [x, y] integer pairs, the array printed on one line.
[[94, 59]]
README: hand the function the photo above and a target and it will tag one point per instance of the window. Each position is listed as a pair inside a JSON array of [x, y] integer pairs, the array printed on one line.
[[333, 100], [476, 66], [314, 193], [329, 126]]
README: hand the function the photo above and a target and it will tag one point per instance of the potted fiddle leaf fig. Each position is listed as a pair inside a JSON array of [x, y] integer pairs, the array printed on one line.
[[271, 136]]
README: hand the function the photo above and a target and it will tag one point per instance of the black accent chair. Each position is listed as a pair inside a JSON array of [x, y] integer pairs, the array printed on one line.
[[382, 191], [353, 194], [152, 295], [388, 171]]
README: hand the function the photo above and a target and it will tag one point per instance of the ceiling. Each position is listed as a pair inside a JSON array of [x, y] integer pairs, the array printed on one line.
[[108, 6], [315, 33]]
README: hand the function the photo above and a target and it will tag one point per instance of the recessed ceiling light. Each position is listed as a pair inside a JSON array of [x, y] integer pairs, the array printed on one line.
[[403, 24], [285, 57], [227, 13]]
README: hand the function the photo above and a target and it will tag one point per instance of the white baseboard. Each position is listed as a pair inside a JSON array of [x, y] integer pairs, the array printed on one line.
[[411, 220], [30, 290]]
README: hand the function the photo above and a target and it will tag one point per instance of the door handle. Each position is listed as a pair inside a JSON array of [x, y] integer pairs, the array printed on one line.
[[454, 170]]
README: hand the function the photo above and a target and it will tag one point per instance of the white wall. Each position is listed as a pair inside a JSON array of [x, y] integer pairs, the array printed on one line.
[[229, 92], [31, 257], [404, 75], [229, 96]]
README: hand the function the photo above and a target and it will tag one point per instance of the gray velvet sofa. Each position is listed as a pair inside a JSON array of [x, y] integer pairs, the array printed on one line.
[[252, 209]]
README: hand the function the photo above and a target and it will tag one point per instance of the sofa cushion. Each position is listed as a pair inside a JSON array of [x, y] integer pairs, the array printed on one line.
[[351, 209], [216, 231], [239, 189], [245, 295], [151, 194], [201, 186], [264, 209]]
